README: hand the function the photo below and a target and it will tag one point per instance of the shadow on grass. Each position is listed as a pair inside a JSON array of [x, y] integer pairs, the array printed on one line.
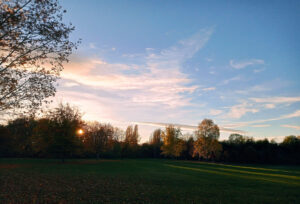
[[242, 167], [244, 174]]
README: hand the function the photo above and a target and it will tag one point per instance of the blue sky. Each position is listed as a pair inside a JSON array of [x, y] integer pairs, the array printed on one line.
[[236, 62]]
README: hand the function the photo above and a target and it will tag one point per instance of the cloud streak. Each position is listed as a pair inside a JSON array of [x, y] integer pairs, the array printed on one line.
[[277, 100], [188, 127], [215, 112], [291, 126], [237, 111], [245, 63], [209, 89], [159, 81], [156, 85], [282, 117]]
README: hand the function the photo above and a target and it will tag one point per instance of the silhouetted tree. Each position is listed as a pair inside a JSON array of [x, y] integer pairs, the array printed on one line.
[[34, 44], [43, 137], [119, 134], [56, 135], [65, 121], [236, 138], [291, 149], [118, 139], [189, 151], [129, 136], [20, 131], [156, 142], [146, 150], [98, 138], [131, 141], [290, 140], [6, 146]]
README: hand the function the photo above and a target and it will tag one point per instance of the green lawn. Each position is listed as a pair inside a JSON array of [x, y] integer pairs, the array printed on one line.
[[145, 181]]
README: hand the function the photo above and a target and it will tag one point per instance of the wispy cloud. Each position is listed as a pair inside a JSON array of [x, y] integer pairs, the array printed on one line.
[[237, 111], [94, 107], [282, 117], [209, 89], [149, 49], [215, 112], [188, 127], [258, 70], [277, 99], [227, 81], [253, 89], [291, 126], [291, 115], [245, 63], [261, 125], [270, 106], [156, 84], [173, 57]]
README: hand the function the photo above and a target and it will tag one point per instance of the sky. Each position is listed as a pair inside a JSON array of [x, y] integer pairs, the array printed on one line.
[[154, 63]]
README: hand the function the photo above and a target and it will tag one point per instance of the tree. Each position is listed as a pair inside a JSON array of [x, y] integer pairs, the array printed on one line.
[[43, 137], [59, 135], [130, 146], [291, 147], [169, 137], [6, 145], [118, 138], [98, 137], [34, 45], [290, 140], [132, 136], [188, 154], [119, 134], [128, 134], [208, 129], [250, 154], [155, 138], [236, 138], [207, 146], [172, 144], [180, 146], [156, 142], [135, 136], [20, 131]]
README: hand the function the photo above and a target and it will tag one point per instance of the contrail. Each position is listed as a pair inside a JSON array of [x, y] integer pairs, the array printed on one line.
[[188, 127]]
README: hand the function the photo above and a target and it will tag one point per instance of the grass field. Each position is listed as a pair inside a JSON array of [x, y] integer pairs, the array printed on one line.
[[145, 181]]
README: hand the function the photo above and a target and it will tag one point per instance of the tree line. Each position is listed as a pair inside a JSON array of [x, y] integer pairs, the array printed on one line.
[[35, 43], [61, 133]]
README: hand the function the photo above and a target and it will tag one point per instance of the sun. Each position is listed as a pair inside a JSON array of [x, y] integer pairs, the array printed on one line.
[[80, 132]]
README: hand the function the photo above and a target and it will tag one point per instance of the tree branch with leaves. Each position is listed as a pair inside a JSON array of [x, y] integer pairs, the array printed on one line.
[[34, 44]]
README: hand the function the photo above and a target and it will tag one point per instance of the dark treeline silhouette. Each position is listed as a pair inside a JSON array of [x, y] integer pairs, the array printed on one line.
[[61, 133]]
